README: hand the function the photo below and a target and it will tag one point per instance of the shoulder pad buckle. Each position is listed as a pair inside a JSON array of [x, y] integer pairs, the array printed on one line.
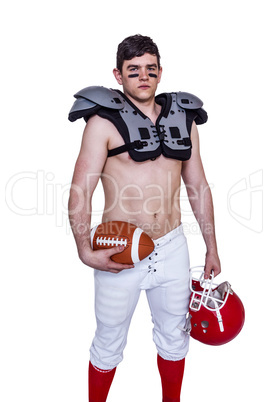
[[102, 96], [188, 101]]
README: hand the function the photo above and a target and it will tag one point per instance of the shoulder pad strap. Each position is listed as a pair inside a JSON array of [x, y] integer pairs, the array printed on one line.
[[101, 96], [188, 101]]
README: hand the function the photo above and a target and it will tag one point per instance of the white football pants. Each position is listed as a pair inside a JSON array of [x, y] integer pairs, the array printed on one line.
[[164, 275]]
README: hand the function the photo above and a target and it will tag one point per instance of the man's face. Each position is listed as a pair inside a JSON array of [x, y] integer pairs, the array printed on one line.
[[140, 77]]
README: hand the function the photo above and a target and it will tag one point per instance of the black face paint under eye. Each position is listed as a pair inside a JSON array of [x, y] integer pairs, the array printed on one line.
[[136, 75]]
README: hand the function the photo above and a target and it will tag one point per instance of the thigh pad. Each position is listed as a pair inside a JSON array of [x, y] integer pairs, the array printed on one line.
[[177, 298], [112, 305]]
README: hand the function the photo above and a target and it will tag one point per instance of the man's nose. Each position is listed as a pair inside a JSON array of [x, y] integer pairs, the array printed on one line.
[[144, 74]]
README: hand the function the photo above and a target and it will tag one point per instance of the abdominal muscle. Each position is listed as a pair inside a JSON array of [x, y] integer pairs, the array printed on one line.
[[143, 193]]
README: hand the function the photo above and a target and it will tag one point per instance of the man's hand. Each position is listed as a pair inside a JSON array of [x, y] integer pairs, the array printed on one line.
[[101, 259], [212, 264]]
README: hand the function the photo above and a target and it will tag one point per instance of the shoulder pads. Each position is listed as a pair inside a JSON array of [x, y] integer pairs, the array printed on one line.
[[89, 99], [101, 96], [188, 101]]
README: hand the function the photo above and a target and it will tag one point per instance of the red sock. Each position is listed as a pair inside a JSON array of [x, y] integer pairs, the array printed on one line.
[[99, 382], [171, 373]]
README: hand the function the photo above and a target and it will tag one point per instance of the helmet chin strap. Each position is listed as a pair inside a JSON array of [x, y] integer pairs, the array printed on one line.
[[220, 320], [219, 317], [188, 327]]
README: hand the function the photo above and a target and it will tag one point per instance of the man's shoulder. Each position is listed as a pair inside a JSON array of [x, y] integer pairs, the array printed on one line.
[[100, 123], [99, 130]]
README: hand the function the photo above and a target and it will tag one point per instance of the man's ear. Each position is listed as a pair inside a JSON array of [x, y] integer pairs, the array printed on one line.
[[118, 76]]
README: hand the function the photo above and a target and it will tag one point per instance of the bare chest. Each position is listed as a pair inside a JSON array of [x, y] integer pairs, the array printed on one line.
[[124, 178]]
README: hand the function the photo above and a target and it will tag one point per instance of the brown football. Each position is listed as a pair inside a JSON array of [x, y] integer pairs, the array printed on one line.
[[138, 245]]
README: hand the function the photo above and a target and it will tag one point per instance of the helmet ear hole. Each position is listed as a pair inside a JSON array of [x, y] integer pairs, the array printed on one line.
[[205, 324]]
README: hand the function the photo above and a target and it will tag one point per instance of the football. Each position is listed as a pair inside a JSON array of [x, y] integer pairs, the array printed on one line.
[[138, 245]]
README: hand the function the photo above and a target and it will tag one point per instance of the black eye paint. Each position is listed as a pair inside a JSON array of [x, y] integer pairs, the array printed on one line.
[[136, 75]]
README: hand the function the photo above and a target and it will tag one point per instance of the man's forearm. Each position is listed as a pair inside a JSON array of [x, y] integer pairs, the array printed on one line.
[[80, 218], [202, 206]]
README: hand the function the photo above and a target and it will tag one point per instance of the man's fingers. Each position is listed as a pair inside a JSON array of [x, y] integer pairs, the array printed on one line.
[[115, 266], [119, 267], [208, 271], [115, 250]]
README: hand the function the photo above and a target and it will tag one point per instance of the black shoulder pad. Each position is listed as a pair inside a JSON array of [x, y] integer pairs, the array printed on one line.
[[89, 100], [102, 96], [188, 101]]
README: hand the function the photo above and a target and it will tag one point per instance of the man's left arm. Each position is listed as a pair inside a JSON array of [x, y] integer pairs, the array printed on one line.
[[200, 198]]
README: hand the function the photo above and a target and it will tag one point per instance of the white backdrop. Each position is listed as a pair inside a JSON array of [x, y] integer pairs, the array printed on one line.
[[52, 49]]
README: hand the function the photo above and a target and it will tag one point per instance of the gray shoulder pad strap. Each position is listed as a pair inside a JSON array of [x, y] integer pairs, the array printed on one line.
[[188, 101], [101, 96]]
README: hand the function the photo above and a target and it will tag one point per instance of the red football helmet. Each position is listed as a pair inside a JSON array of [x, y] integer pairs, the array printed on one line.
[[217, 313]]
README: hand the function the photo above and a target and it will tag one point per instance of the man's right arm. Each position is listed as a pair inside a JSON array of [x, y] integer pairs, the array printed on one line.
[[87, 172]]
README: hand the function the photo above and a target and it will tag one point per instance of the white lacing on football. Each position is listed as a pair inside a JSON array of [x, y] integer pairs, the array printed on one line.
[[111, 242]]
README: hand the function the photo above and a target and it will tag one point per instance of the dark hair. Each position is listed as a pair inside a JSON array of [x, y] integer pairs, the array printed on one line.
[[135, 46]]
